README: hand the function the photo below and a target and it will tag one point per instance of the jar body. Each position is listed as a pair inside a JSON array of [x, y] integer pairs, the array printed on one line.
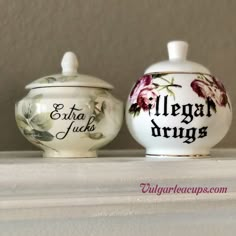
[[69, 121], [178, 114]]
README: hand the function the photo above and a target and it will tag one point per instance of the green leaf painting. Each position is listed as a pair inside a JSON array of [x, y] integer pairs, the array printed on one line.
[[41, 121], [28, 109], [35, 126], [21, 122], [99, 111], [51, 79], [42, 135], [95, 135]]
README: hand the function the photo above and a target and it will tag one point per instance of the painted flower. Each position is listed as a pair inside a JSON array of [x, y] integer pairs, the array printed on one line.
[[202, 88], [144, 94], [147, 98], [220, 93], [212, 90], [144, 81]]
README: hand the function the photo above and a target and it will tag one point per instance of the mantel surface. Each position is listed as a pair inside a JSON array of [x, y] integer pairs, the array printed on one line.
[[106, 191]]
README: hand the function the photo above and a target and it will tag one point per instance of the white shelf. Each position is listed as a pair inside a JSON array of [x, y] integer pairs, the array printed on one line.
[[102, 196]]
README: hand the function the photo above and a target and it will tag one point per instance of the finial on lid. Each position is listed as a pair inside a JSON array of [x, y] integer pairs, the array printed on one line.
[[177, 50], [69, 63]]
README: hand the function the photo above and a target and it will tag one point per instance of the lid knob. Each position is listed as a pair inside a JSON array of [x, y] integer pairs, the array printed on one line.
[[69, 63], [177, 50]]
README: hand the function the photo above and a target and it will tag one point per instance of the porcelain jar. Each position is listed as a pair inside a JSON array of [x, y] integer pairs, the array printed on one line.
[[69, 114], [177, 108]]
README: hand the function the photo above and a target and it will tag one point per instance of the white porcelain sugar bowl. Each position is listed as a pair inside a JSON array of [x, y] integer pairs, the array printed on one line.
[[177, 108], [69, 114]]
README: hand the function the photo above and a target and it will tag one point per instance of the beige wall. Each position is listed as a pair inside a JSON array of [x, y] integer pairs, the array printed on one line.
[[114, 39]]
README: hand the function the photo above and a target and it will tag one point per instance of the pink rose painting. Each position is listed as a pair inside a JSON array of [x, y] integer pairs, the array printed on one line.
[[147, 98], [211, 89], [144, 94], [144, 81]]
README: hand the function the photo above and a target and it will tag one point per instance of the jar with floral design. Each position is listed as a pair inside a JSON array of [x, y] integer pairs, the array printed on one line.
[[178, 108], [69, 114]]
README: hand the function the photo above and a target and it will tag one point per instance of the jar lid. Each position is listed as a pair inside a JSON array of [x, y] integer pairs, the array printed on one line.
[[177, 51], [69, 77]]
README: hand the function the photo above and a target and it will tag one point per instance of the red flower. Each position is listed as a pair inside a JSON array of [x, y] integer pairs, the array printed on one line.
[[202, 88], [220, 93], [147, 98], [141, 83], [212, 89]]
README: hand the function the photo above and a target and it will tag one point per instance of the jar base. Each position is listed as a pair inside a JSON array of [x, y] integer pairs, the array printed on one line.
[[69, 154], [177, 154]]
